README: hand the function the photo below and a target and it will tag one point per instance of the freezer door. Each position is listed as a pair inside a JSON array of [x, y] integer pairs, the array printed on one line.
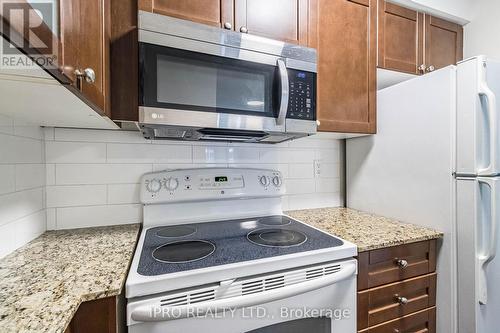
[[477, 134], [478, 271]]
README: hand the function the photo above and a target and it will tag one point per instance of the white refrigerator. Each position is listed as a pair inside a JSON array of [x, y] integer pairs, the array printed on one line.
[[435, 162]]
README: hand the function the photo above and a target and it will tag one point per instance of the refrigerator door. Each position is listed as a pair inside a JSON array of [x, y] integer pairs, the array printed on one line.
[[477, 203], [478, 87]]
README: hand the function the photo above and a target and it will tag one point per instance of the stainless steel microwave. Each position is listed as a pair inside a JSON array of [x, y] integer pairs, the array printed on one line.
[[203, 83]]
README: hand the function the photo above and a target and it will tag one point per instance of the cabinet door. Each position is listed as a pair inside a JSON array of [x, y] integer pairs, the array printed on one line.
[[443, 43], [93, 49], [211, 12], [400, 38], [346, 43], [284, 20]]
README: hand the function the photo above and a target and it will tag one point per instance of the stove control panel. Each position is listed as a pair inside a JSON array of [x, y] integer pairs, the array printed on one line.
[[210, 184]]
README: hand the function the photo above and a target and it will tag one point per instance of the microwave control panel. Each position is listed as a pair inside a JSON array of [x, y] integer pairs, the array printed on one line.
[[302, 102]]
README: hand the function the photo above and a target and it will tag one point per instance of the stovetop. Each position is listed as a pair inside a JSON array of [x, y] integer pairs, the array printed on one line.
[[171, 249]]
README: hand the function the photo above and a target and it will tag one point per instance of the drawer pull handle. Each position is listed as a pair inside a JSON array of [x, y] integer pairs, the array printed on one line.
[[402, 263], [401, 300], [396, 330]]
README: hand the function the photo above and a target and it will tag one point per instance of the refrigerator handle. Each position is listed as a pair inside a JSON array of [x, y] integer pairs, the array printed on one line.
[[490, 250], [485, 91]]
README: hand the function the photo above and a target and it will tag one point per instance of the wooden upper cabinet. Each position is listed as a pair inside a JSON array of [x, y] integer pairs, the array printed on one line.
[[85, 30], [443, 42], [400, 37], [416, 43], [211, 12], [284, 20], [93, 50], [344, 33]]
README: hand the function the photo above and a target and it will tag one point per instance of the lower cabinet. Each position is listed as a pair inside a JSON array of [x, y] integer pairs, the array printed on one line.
[[397, 289], [106, 315]]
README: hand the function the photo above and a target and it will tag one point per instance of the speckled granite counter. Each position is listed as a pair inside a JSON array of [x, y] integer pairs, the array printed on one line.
[[367, 231], [43, 283]]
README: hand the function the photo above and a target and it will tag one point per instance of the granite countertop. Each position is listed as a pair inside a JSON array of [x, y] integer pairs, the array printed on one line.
[[43, 283], [367, 231]]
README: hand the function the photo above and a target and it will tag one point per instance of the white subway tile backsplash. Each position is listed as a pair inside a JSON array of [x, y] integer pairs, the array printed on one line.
[[82, 195], [16, 149], [301, 170], [123, 194], [299, 186], [6, 125], [50, 174], [242, 155], [104, 136], [75, 152], [209, 154], [22, 180], [51, 218], [17, 233], [91, 216], [81, 174], [107, 192], [149, 153], [325, 185], [314, 200], [29, 176], [16, 205], [7, 178], [327, 155]]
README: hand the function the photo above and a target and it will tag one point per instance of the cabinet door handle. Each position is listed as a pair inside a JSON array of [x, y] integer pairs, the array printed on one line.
[[228, 26], [402, 263], [244, 30], [431, 68], [401, 300], [88, 74], [421, 68]]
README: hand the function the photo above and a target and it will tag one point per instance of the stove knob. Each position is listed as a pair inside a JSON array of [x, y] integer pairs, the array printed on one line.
[[171, 184], [154, 185], [277, 181], [264, 180]]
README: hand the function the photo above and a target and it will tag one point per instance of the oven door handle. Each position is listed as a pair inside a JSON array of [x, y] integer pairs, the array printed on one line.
[[156, 312], [285, 93]]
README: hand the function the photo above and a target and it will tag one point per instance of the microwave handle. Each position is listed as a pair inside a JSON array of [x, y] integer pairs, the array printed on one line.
[[285, 93]]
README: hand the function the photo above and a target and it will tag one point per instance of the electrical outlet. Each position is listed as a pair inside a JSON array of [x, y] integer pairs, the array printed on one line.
[[317, 168]]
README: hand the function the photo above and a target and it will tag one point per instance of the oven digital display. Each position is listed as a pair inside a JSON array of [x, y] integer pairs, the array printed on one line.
[[221, 179]]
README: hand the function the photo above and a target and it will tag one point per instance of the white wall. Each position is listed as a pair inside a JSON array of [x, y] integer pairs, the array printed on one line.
[[93, 175], [22, 181], [481, 34]]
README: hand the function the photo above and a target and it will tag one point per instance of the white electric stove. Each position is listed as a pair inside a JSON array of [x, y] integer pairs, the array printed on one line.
[[217, 254]]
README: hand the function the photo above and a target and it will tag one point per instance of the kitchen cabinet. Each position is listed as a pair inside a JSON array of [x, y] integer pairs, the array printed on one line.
[[212, 12], [416, 43], [443, 43], [397, 289], [88, 33], [106, 315], [344, 33], [85, 26], [400, 38], [285, 20]]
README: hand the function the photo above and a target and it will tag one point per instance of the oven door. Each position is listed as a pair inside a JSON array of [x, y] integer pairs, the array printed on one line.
[[321, 305], [218, 91]]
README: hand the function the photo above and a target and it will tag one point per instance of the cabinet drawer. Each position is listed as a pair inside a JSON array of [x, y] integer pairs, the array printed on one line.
[[419, 322], [392, 301], [386, 265]]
